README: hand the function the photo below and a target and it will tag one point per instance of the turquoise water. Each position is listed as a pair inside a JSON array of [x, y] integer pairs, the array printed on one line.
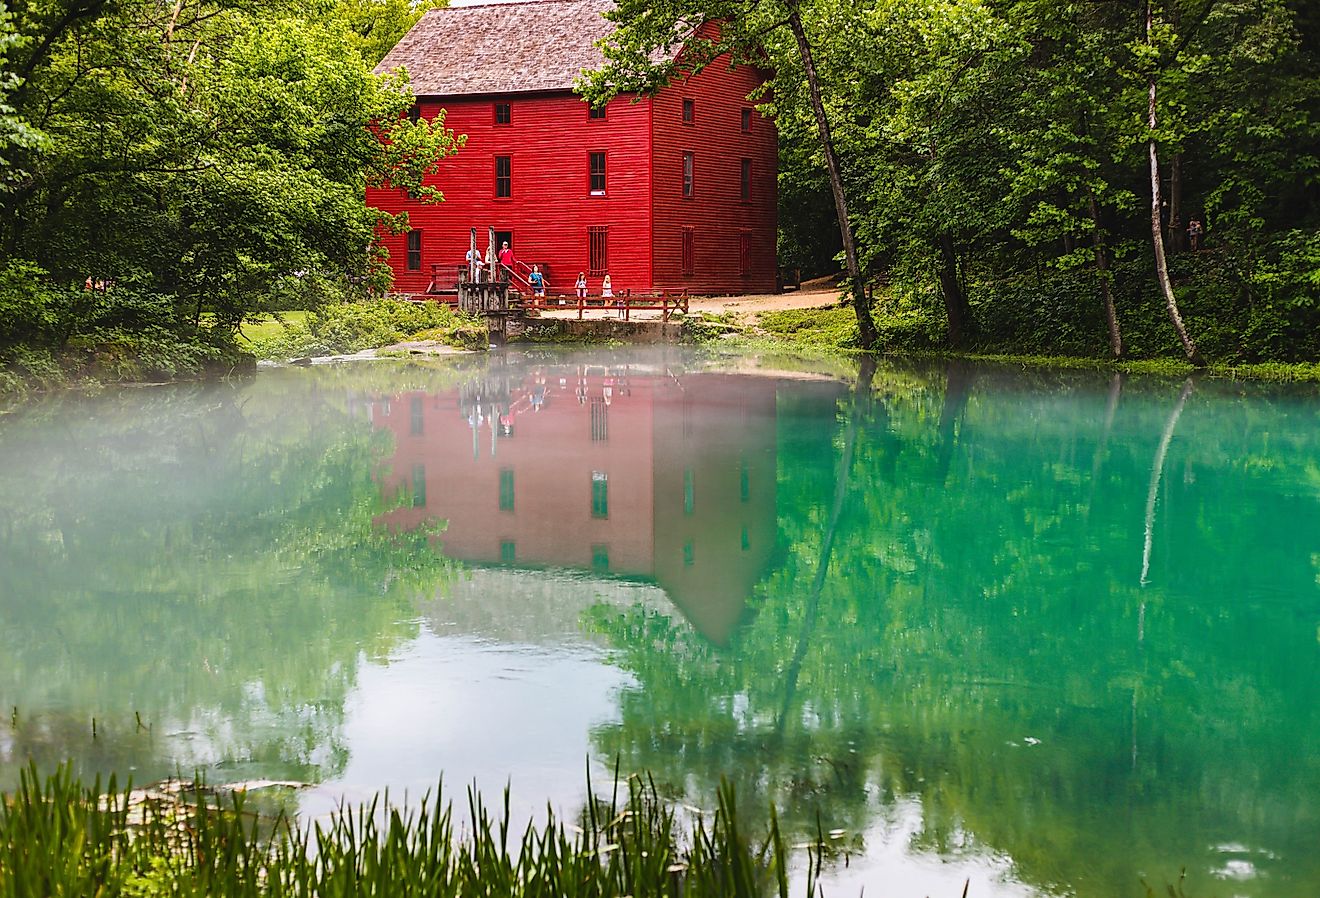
[[1058, 633]]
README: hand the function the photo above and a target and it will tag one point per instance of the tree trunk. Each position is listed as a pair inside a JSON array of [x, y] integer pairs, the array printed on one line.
[[955, 301], [1102, 274], [865, 324], [1156, 229], [1156, 475], [958, 379], [1177, 233], [861, 405]]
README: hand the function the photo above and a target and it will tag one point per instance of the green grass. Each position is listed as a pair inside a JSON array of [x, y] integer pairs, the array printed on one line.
[[271, 328], [835, 329], [61, 837]]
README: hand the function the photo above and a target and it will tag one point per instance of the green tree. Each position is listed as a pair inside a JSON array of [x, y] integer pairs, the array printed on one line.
[[203, 155], [652, 45]]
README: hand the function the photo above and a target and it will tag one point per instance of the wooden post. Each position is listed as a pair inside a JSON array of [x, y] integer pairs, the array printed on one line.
[[491, 261], [472, 252], [581, 302]]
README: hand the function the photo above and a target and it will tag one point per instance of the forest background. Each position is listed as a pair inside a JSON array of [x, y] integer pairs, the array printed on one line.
[[1006, 172]]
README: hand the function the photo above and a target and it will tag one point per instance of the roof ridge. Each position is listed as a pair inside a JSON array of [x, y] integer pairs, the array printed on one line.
[[489, 3]]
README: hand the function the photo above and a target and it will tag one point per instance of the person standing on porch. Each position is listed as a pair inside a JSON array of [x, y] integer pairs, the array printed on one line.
[[537, 281], [506, 257], [474, 264], [581, 285], [606, 287]]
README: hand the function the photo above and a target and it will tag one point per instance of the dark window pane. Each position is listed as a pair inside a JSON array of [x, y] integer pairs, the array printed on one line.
[[415, 413], [503, 176], [597, 112], [689, 172], [689, 111], [414, 250], [419, 486], [503, 113], [747, 119], [745, 180], [506, 489], [598, 245], [597, 180]]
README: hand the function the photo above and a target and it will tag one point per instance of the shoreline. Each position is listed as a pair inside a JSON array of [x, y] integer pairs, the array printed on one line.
[[733, 322]]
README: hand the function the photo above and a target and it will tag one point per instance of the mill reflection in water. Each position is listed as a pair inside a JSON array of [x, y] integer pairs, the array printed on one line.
[[601, 469]]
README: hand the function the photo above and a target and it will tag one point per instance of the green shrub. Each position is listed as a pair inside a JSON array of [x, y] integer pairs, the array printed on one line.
[[30, 305], [352, 327]]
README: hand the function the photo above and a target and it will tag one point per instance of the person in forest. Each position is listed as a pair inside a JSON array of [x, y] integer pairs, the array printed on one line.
[[581, 285], [1194, 232], [537, 281]]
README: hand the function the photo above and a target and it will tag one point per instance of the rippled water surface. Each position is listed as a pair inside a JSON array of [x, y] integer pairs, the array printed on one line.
[[1055, 633]]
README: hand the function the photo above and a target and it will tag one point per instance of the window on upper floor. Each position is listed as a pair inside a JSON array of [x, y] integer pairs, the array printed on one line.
[[596, 176], [414, 250], [503, 113], [503, 176], [596, 112], [689, 174], [745, 180], [689, 111], [746, 119]]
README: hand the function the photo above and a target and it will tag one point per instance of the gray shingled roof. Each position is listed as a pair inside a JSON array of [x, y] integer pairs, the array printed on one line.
[[497, 48]]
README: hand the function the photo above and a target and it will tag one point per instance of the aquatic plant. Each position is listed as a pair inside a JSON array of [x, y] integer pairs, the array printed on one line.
[[59, 836]]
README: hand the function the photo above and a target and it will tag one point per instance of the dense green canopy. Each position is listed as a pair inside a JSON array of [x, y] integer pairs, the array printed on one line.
[[995, 156], [161, 159]]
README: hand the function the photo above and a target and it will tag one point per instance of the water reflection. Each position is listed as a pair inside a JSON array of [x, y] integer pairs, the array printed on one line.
[[1050, 632], [605, 469]]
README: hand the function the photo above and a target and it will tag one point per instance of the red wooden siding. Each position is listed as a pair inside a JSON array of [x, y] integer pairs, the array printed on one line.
[[549, 140], [720, 239], [731, 239]]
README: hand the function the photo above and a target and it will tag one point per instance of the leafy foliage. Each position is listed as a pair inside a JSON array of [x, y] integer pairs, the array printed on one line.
[[166, 160], [349, 327]]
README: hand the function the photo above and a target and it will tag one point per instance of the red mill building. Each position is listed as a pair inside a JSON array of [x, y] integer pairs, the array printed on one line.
[[673, 192], [668, 479]]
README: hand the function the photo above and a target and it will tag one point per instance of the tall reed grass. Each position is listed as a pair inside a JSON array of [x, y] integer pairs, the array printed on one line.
[[61, 837]]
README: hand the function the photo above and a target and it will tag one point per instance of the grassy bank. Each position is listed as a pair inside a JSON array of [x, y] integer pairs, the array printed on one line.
[[352, 327], [61, 837], [90, 361], [147, 354], [835, 330]]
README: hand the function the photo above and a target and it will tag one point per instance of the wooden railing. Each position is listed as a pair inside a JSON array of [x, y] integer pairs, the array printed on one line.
[[624, 305]]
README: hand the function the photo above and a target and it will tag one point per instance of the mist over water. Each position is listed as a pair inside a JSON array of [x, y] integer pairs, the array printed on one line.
[[1052, 632]]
